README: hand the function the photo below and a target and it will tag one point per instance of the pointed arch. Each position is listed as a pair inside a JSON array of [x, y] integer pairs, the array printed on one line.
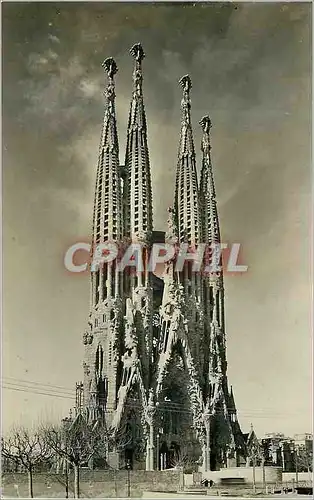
[[134, 377], [176, 335]]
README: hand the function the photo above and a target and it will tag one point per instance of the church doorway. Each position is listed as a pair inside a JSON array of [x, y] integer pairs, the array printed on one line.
[[169, 456], [163, 456]]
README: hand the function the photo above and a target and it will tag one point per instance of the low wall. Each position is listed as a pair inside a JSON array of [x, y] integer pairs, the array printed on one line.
[[273, 475], [93, 484], [303, 477]]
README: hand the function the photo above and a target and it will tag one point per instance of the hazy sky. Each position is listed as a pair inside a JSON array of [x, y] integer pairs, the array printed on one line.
[[250, 68]]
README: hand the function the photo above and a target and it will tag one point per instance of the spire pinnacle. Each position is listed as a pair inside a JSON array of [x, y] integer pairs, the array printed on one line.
[[186, 85], [107, 223], [110, 67], [137, 52], [138, 214], [207, 178], [206, 124], [210, 220], [186, 200]]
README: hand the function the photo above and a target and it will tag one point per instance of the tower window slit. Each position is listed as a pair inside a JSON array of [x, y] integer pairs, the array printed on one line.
[[101, 359], [97, 286], [112, 276], [105, 274], [166, 335], [97, 360], [218, 307]]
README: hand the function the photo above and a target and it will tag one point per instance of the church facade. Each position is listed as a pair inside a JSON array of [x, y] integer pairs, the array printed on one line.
[[155, 369]]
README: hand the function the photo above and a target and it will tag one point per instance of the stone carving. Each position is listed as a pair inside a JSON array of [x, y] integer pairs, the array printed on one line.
[[110, 67], [87, 338], [130, 330], [171, 236], [137, 52], [86, 368]]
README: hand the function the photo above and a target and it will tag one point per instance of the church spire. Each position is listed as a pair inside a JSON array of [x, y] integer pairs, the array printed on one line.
[[210, 227], [107, 207], [210, 221], [107, 219], [138, 192], [186, 196]]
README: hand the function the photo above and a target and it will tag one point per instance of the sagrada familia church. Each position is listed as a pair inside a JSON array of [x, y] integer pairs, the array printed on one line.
[[155, 369]]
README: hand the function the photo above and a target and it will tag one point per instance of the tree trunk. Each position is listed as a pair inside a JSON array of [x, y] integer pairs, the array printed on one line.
[[66, 479], [30, 483], [150, 449], [115, 483], [76, 481]]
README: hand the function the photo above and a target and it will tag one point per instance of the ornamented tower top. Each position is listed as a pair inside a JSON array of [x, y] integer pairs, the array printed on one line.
[[107, 218], [107, 207], [137, 189], [210, 222], [186, 192]]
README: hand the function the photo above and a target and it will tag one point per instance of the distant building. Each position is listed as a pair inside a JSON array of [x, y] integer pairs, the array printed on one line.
[[254, 449], [305, 440], [292, 454]]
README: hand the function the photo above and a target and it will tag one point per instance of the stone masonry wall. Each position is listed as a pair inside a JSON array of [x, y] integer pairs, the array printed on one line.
[[93, 484]]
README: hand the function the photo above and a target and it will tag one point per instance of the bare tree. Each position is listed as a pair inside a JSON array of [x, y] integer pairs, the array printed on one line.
[[28, 449], [303, 459], [76, 442], [256, 458], [118, 442]]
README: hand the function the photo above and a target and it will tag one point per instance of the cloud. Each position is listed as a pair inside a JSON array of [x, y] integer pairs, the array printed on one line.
[[91, 88], [54, 38]]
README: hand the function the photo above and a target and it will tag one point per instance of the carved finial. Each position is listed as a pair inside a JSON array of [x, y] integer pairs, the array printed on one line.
[[186, 83], [206, 124], [137, 52], [110, 67]]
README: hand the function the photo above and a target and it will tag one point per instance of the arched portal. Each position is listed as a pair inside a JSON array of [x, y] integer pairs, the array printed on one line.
[[130, 439], [163, 456], [175, 416]]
